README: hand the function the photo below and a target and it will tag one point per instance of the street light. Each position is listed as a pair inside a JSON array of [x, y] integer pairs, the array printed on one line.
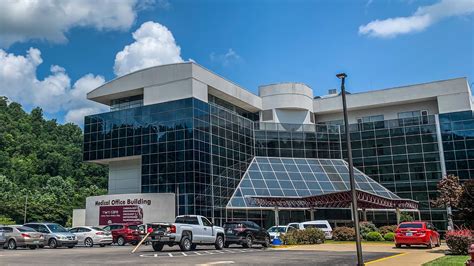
[[360, 260]]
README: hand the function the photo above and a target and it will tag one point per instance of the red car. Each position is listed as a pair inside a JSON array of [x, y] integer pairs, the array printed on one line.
[[417, 233], [124, 233]]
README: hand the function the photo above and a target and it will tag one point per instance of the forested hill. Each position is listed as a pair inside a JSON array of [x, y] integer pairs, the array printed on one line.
[[43, 159]]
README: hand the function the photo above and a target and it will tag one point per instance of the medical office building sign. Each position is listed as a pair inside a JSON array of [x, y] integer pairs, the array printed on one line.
[[121, 211]]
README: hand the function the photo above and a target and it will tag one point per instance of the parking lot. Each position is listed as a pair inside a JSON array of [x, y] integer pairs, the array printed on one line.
[[146, 255]]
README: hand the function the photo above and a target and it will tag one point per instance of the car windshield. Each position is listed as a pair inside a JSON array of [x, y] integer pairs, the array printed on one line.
[[25, 229], [277, 229], [56, 228], [321, 226], [411, 225], [133, 227], [97, 228]]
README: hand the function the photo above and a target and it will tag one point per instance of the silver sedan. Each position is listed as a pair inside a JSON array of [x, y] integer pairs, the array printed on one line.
[[13, 236], [91, 235]]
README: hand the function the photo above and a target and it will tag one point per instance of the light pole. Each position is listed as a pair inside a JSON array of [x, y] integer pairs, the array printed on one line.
[[355, 214], [26, 204]]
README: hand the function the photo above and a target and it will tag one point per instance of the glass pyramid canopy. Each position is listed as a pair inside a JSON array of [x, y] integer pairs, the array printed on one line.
[[300, 178]]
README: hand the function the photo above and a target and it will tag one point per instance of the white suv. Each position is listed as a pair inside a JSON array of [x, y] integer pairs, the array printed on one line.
[[320, 224]]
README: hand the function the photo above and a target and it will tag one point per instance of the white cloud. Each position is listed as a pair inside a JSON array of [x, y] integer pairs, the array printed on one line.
[[19, 82], [154, 45], [424, 17], [230, 57], [23, 20]]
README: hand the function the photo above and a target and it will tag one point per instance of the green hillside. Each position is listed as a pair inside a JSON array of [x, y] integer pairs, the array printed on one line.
[[43, 159]]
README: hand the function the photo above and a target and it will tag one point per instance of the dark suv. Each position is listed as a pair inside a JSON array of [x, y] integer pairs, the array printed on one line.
[[245, 233], [124, 233]]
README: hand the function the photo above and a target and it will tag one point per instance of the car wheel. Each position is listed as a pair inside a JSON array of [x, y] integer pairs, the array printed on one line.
[[266, 243], [120, 241], [398, 245], [157, 246], [438, 243], [248, 242], [53, 243], [193, 246], [219, 242], [88, 242], [185, 243], [102, 245], [32, 247], [12, 244], [41, 246], [70, 246]]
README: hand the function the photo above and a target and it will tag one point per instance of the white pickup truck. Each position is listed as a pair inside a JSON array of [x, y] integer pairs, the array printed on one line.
[[187, 232]]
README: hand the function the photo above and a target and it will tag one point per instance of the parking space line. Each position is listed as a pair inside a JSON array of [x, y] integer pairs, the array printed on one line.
[[197, 253], [184, 254], [169, 254]]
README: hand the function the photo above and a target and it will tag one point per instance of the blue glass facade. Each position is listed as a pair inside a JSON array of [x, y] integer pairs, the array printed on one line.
[[201, 151], [189, 147]]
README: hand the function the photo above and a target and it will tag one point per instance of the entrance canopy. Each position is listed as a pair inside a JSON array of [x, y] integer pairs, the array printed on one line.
[[310, 183]]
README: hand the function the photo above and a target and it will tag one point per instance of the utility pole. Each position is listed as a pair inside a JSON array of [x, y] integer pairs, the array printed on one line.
[[360, 260]]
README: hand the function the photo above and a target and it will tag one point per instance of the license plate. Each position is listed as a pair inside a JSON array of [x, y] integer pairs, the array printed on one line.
[[36, 242], [409, 234], [229, 231]]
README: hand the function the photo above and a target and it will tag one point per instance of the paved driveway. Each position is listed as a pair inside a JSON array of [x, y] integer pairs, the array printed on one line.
[[172, 256]]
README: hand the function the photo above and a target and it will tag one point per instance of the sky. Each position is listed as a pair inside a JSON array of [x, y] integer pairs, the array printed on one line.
[[52, 52]]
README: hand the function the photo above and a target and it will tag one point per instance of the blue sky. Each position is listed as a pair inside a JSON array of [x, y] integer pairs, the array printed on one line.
[[256, 42]]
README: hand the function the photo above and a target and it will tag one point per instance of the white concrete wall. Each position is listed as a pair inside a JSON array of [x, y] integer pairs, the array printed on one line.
[[389, 112], [291, 116], [291, 102], [78, 217], [161, 209], [176, 90], [452, 96], [125, 176]]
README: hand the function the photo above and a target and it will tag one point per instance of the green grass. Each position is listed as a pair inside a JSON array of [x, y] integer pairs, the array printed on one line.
[[448, 260]]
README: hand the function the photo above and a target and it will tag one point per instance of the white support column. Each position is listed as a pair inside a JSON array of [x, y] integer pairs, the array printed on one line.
[[277, 217], [397, 212], [311, 214]]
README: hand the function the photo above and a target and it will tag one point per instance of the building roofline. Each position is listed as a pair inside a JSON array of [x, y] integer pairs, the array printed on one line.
[[392, 88], [167, 65]]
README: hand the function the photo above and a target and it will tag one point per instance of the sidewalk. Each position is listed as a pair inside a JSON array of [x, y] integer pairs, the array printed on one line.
[[406, 257]]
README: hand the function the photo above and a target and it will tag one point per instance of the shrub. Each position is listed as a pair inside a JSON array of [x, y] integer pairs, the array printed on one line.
[[406, 217], [307, 236], [374, 236], [365, 228], [390, 236], [459, 241], [387, 229], [343, 233]]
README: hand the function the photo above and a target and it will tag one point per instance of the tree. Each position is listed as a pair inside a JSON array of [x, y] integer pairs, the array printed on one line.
[[465, 207], [42, 160], [449, 193]]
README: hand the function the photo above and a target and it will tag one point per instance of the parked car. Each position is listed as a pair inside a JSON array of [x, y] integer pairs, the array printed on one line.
[[320, 224], [276, 231], [417, 233], [13, 236], [124, 233], [90, 236], [54, 235], [187, 231], [245, 233]]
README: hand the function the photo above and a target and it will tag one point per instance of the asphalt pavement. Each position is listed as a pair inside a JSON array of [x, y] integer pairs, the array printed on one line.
[[119, 255]]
